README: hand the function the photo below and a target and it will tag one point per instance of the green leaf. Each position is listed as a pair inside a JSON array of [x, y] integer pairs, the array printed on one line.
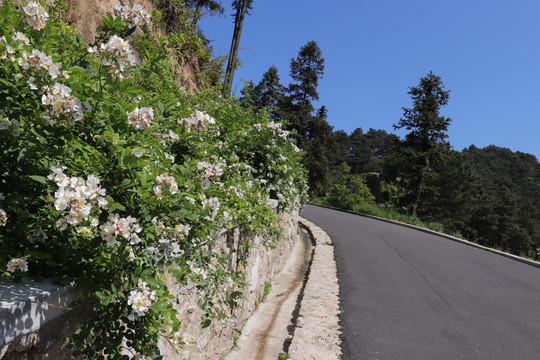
[[206, 323], [104, 298], [161, 108], [124, 84], [117, 206], [133, 91], [22, 153], [39, 178]]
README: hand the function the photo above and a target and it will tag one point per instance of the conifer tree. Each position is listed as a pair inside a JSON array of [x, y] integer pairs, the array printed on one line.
[[318, 147], [427, 130], [268, 90], [306, 70]]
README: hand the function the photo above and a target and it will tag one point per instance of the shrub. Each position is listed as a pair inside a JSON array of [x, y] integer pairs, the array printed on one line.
[[352, 192], [113, 179], [390, 193]]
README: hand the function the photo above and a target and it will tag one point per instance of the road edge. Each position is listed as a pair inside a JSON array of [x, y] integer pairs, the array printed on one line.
[[317, 329], [433, 232]]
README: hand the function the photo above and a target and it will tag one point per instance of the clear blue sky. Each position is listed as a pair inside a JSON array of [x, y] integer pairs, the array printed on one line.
[[487, 53]]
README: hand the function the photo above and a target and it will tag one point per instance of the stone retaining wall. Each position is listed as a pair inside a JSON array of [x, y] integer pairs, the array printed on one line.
[[20, 339]]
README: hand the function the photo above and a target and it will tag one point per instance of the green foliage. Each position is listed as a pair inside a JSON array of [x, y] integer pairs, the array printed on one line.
[[113, 179], [368, 151], [188, 43], [436, 226], [350, 194], [390, 193], [267, 290]]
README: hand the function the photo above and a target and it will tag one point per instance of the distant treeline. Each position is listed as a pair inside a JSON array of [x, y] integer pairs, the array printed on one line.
[[490, 195]]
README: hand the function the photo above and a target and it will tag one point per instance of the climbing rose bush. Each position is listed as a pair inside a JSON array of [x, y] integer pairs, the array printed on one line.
[[113, 179]]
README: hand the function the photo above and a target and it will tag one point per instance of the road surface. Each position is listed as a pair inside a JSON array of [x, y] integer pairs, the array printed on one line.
[[406, 294]]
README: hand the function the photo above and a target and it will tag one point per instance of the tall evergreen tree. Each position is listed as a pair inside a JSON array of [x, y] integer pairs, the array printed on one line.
[[318, 146], [306, 70], [269, 90], [427, 128], [265, 95], [241, 9]]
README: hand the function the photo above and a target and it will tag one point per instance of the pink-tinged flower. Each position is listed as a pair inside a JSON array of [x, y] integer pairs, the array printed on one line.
[[141, 118], [36, 15], [197, 270], [3, 217], [117, 55], [121, 228], [197, 122], [132, 16], [61, 103], [17, 264], [165, 181], [75, 197], [140, 300]]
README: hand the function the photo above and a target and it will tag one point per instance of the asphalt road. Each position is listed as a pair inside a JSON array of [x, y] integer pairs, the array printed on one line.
[[406, 294]]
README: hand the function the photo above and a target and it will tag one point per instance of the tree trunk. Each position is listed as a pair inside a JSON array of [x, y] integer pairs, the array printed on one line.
[[420, 190], [233, 54]]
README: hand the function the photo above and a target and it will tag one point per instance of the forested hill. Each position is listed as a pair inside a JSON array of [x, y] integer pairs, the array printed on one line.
[[489, 195]]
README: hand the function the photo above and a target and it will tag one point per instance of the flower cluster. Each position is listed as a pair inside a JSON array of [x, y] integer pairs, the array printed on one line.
[[181, 231], [211, 204], [17, 264], [11, 126], [39, 61], [197, 122], [37, 236], [126, 228], [117, 54], [21, 38], [61, 103], [76, 197], [3, 217], [172, 136], [140, 300], [165, 181], [141, 118], [36, 15], [195, 269], [131, 17], [210, 170], [166, 239], [277, 127]]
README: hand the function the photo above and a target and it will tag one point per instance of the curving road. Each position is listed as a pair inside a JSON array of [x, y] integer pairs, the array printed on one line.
[[406, 294]]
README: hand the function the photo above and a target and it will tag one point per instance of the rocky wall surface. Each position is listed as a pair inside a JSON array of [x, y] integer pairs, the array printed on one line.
[[212, 342], [264, 264]]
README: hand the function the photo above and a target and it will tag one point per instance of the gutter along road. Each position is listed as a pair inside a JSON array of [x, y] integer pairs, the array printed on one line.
[[406, 294]]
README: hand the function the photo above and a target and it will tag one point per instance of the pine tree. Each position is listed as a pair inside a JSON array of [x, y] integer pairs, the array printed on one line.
[[427, 130], [269, 90], [297, 108], [318, 147]]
